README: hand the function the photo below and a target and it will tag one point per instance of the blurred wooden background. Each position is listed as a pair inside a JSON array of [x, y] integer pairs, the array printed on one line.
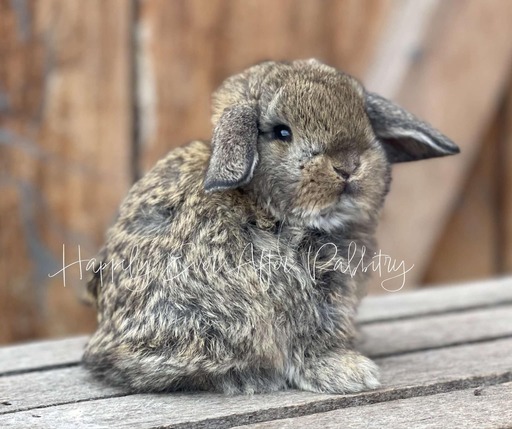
[[93, 92]]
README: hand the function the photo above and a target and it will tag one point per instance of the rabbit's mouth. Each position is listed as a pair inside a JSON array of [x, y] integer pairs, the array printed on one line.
[[352, 188]]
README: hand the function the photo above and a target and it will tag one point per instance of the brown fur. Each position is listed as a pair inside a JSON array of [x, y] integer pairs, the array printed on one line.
[[230, 279]]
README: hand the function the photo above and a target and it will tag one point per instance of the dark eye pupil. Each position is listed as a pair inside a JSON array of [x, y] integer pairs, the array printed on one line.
[[282, 132]]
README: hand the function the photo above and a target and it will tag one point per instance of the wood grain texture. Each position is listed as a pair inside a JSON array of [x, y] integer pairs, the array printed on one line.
[[41, 355], [65, 130], [35, 389], [439, 300], [468, 241], [404, 34], [442, 330], [61, 396], [186, 48], [484, 408], [21, 62], [454, 83], [504, 165]]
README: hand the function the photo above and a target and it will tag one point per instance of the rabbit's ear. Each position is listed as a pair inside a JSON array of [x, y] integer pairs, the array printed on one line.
[[234, 153], [405, 137]]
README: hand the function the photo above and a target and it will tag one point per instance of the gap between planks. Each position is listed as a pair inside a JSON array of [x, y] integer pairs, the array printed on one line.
[[487, 407]]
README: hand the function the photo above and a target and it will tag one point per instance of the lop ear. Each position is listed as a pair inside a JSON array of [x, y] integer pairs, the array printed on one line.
[[234, 153], [405, 137]]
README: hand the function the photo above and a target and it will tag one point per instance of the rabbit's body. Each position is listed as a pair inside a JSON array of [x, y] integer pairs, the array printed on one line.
[[230, 300], [244, 264]]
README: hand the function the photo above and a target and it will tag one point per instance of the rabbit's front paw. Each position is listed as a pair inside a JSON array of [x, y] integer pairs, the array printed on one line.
[[340, 372]]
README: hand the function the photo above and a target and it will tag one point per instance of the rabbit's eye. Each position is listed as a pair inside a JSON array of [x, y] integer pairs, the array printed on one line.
[[282, 132]]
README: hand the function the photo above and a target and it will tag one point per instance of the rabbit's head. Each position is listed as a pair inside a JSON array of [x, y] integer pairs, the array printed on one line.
[[311, 144]]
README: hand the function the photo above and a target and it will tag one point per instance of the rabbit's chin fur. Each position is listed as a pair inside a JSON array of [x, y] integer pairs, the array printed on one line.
[[339, 216], [229, 266]]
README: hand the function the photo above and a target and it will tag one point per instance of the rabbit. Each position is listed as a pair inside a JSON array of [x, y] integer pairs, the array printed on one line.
[[222, 271]]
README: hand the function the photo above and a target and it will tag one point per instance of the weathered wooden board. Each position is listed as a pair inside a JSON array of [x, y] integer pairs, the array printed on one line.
[[388, 338], [65, 131], [19, 63], [403, 376], [186, 48], [436, 300], [505, 186], [404, 35], [456, 79], [484, 408], [36, 389], [469, 240], [41, 355], [383, 330]]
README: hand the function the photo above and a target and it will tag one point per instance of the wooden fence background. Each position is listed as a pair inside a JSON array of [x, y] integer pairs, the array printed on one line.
[[93, 92]]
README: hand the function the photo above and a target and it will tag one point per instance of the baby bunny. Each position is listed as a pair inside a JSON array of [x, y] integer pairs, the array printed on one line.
[[226, 269]]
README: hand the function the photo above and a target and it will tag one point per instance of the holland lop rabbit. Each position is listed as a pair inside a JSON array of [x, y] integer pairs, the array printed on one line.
[[223, 271]]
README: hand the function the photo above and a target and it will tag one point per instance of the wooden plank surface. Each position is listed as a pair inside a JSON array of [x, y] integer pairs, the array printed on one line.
[[65, 130], [402, 336], [383, 335], [436, 300], [483, 408], [44, 388], [415, 374], [41, 355]]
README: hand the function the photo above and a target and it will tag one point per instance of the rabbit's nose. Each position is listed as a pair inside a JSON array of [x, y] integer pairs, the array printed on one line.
[[342, 172], [345, 171]]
